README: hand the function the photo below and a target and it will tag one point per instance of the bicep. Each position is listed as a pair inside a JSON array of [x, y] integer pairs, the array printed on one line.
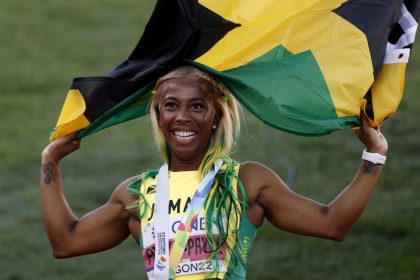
[[290, 211], [100, 229]]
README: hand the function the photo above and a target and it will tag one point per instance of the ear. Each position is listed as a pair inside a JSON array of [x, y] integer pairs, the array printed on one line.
[[215, 121], [217, 116]]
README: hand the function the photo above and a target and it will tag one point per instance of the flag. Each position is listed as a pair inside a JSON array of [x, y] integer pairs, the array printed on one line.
[[305, 67]]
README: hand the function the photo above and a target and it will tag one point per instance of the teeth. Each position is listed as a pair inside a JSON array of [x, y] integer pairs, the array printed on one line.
[[185, 136], [184, 133]]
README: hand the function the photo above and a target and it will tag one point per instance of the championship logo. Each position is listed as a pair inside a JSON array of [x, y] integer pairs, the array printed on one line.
[[161, 264]]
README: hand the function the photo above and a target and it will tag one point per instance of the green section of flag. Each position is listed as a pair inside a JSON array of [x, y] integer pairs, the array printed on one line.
[[285, 91]]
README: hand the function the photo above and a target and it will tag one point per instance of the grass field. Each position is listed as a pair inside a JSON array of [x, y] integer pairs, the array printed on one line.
[[43, 45]]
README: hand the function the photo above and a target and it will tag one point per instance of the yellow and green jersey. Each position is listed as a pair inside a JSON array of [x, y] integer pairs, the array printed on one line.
[[196, 261]]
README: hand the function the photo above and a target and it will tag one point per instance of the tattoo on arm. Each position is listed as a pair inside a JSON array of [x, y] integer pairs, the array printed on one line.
[[369, 167], [49, 173]]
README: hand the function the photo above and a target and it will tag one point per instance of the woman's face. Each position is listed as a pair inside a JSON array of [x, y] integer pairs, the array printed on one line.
[[186, 118]]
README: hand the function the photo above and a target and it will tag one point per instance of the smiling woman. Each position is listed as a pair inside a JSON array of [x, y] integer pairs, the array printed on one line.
[[197, 216], [190, 107]]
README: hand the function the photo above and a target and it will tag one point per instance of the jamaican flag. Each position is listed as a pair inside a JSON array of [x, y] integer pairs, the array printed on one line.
[[306, 67]]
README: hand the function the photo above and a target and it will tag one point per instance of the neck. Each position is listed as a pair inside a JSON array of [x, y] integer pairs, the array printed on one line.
[[184, 165]]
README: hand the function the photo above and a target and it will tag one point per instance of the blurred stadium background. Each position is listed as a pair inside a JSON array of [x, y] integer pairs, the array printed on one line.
[[44, 45]]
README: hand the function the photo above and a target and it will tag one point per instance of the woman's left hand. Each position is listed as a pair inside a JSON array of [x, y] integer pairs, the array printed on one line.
[[372, 137]]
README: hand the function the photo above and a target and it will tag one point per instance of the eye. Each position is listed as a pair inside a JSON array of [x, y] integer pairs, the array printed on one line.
[[198, 105], [170, 105]]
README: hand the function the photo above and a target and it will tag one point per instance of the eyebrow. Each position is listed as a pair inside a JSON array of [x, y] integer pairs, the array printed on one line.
[[195, 99]]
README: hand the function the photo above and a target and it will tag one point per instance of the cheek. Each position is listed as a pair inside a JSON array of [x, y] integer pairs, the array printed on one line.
[[163, 117], [206, 119]]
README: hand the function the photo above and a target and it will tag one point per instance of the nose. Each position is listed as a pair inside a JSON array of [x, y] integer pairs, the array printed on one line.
[[183, 115]]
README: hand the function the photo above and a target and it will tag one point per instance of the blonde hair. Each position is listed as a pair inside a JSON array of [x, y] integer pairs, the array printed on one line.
[[227, 130]]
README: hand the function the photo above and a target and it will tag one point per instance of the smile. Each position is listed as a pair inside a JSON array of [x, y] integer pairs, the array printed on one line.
[[184, 136]]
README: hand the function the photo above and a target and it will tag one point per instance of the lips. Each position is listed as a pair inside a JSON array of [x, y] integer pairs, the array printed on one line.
[[184, 137]]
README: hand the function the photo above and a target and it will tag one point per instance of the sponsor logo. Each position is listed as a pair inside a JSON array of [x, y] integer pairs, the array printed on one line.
[[161, 263]]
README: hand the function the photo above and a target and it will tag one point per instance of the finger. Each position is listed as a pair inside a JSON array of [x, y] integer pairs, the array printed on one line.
[[76, 144], [65, 138], [71, 136], [365, 124], [69, 139]]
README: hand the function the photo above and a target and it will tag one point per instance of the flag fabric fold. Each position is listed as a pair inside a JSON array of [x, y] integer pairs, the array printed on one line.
[[305, 67]]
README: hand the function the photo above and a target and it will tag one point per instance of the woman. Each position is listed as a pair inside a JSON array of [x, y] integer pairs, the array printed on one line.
[[195, 121]]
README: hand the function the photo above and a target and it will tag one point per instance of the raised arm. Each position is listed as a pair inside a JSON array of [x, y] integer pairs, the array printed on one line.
[[70, 236], [268, 196]]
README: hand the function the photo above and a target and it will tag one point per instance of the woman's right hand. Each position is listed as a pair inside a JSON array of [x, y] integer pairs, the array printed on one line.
[[60, 148]]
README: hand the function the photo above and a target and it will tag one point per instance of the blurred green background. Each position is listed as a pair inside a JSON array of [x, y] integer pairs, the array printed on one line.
[[44, 44]]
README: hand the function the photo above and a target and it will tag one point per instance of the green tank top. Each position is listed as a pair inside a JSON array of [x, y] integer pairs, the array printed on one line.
[[195, 263]]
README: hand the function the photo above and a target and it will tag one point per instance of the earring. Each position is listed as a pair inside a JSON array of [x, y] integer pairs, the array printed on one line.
[[214, 127]]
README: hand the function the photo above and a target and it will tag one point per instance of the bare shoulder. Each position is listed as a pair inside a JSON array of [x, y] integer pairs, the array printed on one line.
[[251, 171], [252, 166], [121, 193], [257, 180], [255, 177]]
